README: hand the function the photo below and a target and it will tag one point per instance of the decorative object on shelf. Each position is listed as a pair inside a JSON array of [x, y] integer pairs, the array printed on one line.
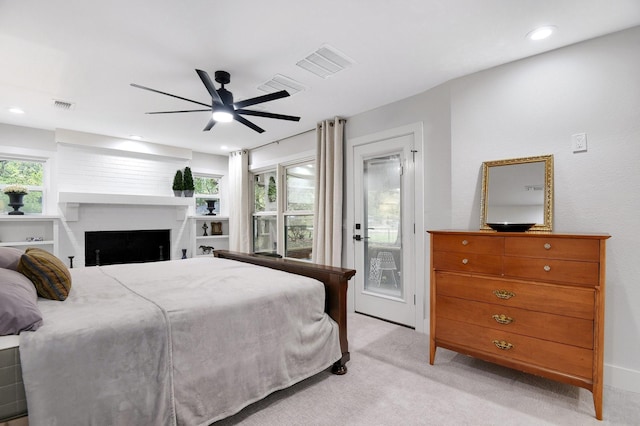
[[510, 227], [206, 249], [184, 253], [211, 206], [16, 194], [216, 228], [187, 182], [178, 184], [204, 228], [70, 261]]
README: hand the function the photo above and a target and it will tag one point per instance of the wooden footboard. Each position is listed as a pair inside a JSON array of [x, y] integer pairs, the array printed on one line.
[[335, 283]]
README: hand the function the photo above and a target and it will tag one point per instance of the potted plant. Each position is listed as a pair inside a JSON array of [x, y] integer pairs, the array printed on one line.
[[178, 185], [16, 194], [188, 185]]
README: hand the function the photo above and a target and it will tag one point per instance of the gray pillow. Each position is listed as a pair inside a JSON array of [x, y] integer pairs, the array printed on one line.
[[9, 257], [18, 304]]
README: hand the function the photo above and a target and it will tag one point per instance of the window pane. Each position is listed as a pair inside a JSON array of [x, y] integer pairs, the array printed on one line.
[[266, 192], [32, 202], [28, 173], [299, 236], [206, 185], [300, 187], [202, 206], [265, 234]]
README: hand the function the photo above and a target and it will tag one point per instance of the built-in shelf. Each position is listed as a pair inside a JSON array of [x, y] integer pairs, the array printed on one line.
[[221, 240], [70, 202], [15, 230]]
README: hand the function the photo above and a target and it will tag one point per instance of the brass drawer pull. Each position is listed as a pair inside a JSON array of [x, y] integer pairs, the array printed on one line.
[[465, 261], [547, 246], [547, 268], [465, 242], [501, 344], [503, 294], [502, 319]]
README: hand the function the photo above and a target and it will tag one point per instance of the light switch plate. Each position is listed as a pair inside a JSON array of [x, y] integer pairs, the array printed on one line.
[[579, 142]]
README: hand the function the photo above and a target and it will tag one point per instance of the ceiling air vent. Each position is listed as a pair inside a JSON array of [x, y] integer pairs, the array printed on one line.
[[67, 106], [280, 82], [325, 62]]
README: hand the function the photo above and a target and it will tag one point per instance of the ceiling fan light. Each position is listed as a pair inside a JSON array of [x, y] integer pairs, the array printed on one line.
[[222, 116]]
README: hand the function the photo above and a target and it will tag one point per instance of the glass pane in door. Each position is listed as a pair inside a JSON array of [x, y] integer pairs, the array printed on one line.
[[382, 225]]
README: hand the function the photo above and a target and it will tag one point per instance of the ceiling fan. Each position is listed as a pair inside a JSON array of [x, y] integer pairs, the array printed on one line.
[[222, 107]]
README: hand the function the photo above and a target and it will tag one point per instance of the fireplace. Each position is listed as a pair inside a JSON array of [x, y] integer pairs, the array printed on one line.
[[113, 247]]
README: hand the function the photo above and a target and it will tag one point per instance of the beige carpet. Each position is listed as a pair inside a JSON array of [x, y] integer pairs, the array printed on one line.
[[390, 382]]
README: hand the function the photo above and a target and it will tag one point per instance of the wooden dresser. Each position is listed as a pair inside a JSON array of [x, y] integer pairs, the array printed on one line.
[[529, 301]]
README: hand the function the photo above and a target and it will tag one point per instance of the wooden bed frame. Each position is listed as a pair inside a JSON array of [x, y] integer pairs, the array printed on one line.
[[335, 282]]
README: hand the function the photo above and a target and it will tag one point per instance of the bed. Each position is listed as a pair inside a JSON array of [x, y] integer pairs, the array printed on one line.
[[185, 342]]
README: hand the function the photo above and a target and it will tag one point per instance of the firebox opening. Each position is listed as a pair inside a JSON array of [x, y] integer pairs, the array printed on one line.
[[115, 247]]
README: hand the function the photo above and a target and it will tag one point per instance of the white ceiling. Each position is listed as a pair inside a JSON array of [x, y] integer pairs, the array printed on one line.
[[88, 53]]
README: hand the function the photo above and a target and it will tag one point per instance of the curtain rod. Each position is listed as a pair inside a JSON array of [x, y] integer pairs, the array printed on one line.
[[342, 120], [280, 140]]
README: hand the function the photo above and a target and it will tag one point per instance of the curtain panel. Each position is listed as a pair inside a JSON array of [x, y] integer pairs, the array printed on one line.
[[327, 221], [239, 206]]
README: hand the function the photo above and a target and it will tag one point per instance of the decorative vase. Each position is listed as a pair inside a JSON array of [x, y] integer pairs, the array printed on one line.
[[211, 206], [188, 192], [177, 193], [184, 253], [15, 201]]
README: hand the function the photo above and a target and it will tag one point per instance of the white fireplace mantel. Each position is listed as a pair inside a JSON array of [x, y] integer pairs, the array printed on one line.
[[70, 202]]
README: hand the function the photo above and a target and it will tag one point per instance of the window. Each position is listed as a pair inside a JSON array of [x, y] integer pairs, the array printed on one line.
[[207, 187], [23, 172], [284, 226]]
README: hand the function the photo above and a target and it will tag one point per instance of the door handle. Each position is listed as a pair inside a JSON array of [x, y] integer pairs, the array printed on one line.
[[360, 238]]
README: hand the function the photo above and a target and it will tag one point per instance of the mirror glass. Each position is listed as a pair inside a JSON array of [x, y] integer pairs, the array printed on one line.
[[518, 191]]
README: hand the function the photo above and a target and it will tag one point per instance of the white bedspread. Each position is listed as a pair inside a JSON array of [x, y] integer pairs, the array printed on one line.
[[183, 342]]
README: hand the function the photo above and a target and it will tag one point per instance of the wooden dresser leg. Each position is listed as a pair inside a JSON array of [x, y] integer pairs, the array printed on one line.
[[339, 368], [597, 401]]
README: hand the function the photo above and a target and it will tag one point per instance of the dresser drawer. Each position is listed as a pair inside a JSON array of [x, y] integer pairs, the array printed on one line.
[[555, 248], [468, 244], [564, 271], [467, 262], [555, 299], [556, 328], [542, 353]]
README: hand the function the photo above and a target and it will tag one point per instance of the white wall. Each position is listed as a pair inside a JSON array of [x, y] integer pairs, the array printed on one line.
[[532, 107], [529, 108]]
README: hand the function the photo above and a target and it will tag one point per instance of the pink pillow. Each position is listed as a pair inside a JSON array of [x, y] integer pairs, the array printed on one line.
[[18, 304], [9, 257]]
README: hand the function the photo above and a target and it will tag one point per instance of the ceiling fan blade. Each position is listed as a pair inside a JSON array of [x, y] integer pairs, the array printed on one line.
[[168, 94], [261, 99], [206, 80], [209, 125], [267, 115], [248, 123], [174, 112]]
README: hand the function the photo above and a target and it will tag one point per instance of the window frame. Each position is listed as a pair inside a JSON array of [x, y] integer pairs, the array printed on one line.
[[197, 196], [44, 188], [281, 202]]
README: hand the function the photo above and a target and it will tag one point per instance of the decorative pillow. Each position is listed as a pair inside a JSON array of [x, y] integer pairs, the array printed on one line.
[[18, 304], [50, 276], [9, 257]]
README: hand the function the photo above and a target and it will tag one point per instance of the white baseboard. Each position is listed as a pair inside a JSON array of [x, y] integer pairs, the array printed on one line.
[[622, 378]]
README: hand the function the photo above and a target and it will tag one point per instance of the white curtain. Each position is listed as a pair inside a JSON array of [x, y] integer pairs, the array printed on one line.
[[327, 221], [239, 213]]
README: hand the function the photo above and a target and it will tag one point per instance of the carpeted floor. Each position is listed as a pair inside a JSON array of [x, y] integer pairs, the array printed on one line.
[[390, 382]]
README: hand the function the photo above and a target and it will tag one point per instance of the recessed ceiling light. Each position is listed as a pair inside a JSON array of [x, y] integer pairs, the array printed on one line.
[[16, 110], [541, 33]]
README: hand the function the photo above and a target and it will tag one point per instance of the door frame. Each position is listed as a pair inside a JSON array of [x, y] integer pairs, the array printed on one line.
[[420, 267]]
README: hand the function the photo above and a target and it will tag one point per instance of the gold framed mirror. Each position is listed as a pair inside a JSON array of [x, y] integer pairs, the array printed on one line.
[[518, 191]]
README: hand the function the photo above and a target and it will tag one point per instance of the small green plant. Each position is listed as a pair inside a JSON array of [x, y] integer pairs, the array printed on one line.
[[187, 180], [178, 184]]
